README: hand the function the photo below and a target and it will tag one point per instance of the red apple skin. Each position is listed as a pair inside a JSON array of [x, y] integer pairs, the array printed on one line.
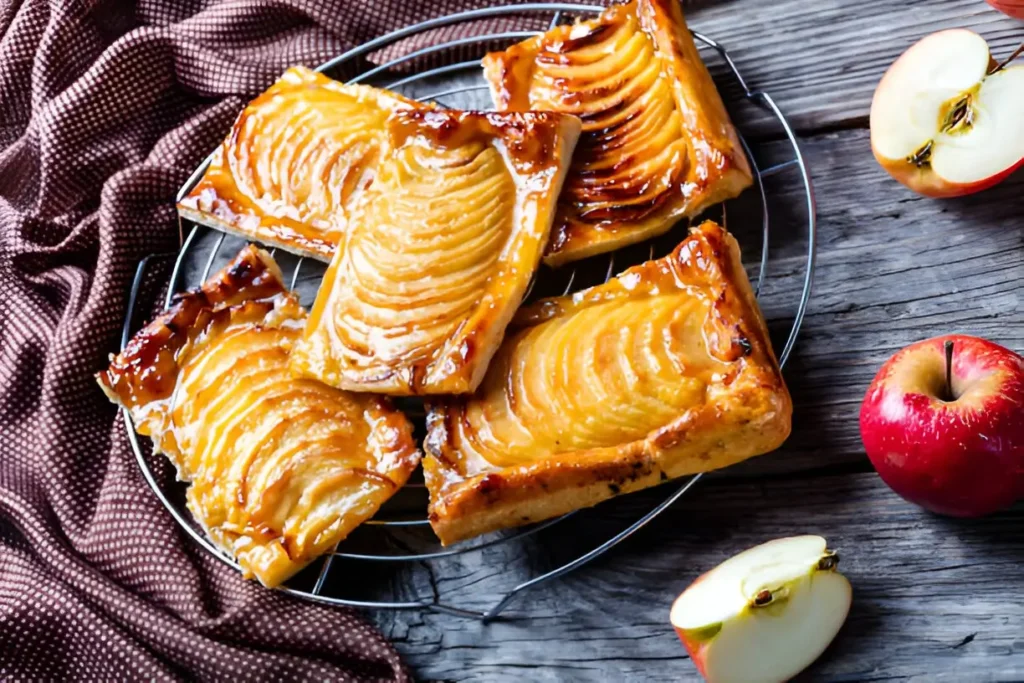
[[1014, 8], [963, 458], [695, 648], [696, 652], [926, 182]]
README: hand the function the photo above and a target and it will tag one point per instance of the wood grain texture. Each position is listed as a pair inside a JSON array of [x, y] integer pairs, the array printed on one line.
[[934, 599], [822, 60]]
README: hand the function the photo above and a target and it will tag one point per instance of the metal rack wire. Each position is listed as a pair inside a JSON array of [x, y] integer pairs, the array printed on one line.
[[203, 249]]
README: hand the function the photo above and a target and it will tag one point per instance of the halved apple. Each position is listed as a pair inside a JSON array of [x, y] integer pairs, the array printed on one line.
[[765, 614], [945, 120]]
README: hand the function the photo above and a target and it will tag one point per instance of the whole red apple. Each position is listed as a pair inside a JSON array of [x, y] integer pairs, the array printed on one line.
[[943, 423]]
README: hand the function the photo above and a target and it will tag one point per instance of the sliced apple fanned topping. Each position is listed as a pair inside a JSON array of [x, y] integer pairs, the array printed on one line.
[[296, 159]]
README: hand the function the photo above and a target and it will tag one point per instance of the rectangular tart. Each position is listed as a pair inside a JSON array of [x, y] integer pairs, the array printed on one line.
[[657, 144], [663, 371], [280, 469]]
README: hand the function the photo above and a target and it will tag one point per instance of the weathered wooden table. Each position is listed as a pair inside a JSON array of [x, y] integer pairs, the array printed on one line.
[[934, 599]]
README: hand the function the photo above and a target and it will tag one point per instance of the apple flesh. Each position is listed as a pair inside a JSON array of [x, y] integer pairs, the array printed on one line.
[[949, 435], [765, 614], [944, 120]]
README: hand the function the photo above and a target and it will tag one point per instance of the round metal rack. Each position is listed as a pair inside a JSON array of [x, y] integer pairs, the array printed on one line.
[[456, 84]]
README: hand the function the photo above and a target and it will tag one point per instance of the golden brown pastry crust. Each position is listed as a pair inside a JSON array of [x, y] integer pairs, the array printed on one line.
[[440, 253], [280, 468], [657, 143], [295, 160], [663, 371]]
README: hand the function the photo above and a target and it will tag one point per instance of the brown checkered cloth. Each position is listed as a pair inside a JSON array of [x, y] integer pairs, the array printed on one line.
[[105, 107]]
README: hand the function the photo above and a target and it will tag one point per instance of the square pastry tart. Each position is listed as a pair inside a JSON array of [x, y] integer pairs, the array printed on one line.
[[439, 252], [663, 371], [296, 159], [280, 468], [657, 143]]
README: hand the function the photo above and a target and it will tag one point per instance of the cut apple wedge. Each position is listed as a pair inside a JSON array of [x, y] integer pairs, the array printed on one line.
[[765, 614], [945, 121]]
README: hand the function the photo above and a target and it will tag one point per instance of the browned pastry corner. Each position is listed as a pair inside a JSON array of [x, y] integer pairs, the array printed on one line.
[[663, 371], [280, 468], [657, 143], [439, 255], [296, 159]]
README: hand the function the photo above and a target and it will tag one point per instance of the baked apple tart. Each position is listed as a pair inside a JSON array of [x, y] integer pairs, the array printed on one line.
[[296, 159], [439, 253], [657, 143], [280, 468], [663, 371]]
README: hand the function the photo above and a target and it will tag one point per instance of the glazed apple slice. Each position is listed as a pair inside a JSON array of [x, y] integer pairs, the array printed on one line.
[[765, 614], [945, 121]]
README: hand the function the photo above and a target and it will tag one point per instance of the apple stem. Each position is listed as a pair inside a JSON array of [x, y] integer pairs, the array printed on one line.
[[1016, 53], [949, 370]]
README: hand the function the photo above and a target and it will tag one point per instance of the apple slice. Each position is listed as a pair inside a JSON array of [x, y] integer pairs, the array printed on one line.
[[765, 614], [945, 121]]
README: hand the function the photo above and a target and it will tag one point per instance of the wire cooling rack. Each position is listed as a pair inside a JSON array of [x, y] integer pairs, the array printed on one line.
[[460, 84]]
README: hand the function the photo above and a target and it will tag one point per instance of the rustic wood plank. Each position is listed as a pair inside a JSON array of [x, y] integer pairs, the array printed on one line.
[[934, 599], [821, 61]]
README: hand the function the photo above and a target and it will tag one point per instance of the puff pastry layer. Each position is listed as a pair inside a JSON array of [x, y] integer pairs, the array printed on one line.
[[280, 468], [663, 371], [657, 143], [295, 160], [439, 254]]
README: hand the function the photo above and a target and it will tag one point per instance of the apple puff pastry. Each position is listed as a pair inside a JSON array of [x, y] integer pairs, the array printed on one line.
[[280, 468], [657, 143], [663, 371], [295, 160], [439, 253]]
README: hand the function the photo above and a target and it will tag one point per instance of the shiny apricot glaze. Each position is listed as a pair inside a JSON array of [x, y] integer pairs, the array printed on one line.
[[439, 256], [296, 159], [280, 469], [657, 143], [663, 371]]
